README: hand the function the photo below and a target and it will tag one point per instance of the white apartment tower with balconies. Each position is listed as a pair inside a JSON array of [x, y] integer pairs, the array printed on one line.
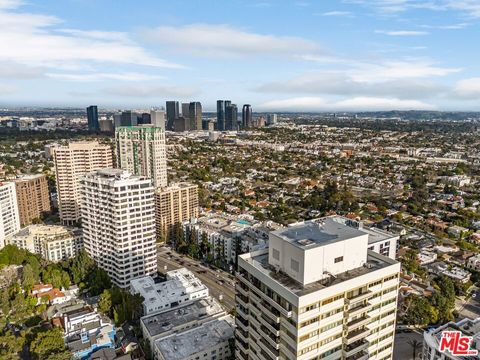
[[118, 220], [9, 215], [317, 292], [142, 151]]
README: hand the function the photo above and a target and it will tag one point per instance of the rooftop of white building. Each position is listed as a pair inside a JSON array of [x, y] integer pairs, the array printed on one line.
[[179, 282], [197, 340], [317, 233], [157, 324]]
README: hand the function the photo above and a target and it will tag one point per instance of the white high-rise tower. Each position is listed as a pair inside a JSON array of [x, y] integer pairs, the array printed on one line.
[[316, 293], [118, 220]]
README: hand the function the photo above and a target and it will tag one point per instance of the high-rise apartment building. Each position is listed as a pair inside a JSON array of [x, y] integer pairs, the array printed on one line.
[[246, 116], [158, 118], [220, 115], [118, 220], [9, 218], [195, 115], [142, 151], [317, 292], [92, 117], [128, 118], [231, 117], [271, 119], [174, 204], [173, 112], [71, 162], [33, 197]]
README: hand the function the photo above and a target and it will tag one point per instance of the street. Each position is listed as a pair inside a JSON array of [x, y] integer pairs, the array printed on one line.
[[403, 349], [220, 284]]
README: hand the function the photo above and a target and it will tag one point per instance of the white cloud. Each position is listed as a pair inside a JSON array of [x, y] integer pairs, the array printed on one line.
[[399, 69], [93, 77], [337, 13], [225, 40], [152, 91], [10, 4], [33, 40], [469, 7], [468, 88], [402, 33], [336, 83], [351, 104], [10, 70], [7, 89]]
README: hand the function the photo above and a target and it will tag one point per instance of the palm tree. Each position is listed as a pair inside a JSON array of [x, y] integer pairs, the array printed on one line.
[[416, 347]]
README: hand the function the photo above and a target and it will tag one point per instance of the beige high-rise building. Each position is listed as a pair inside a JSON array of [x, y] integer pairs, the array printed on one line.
[[317, 292], [173, 204], [71, 163], [33, 197], [141, 150]]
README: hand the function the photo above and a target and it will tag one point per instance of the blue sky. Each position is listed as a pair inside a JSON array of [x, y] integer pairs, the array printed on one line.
[[292, 55]]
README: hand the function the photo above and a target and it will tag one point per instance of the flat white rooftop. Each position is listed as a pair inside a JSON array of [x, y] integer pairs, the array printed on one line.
[[159, 323], [197, 340], [318, 233]]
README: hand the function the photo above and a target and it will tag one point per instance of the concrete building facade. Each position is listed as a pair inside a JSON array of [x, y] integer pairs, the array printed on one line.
[[317, 292], [174, 204], [141, 150], [33, 197], [118, 220], [52, 242], [72, 162], [9, 216]]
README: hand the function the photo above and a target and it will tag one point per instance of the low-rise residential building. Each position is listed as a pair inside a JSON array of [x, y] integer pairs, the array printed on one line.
[[212, 340], [52, 242], [229, 236], [431, 339], [177, 319], [180, 287], [473, 263], [427, 257], [86, 331], [53, 296]]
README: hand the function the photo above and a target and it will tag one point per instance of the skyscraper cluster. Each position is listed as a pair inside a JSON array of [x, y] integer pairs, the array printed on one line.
[[117, 207], [189, 119], [227, 116]]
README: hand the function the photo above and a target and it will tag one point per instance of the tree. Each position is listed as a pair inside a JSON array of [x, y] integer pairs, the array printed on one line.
[[29, 277], [48, 344], [11, 344], [444, 298], [97, 281], [80, 266], [105, 302], [419, 312]]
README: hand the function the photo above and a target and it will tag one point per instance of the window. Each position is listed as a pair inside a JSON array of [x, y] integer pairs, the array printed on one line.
[[276, 254], [338, 259], [294, 265]]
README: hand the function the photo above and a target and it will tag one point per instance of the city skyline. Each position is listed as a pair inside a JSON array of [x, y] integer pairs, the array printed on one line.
[[350, 55]]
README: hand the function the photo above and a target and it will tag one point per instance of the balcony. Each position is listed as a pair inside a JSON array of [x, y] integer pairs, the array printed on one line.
[[362, 355], [362, 296], [354, 324], [241, 290], [357, 335], [359, 309], [355, 347]]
